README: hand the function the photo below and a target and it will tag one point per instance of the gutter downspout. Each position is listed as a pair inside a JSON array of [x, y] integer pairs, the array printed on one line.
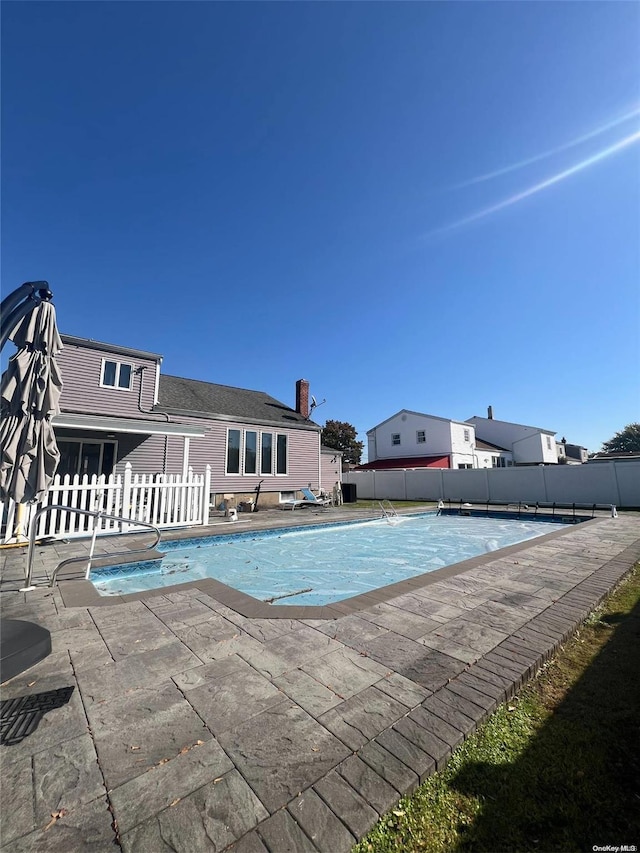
[[141, 370]]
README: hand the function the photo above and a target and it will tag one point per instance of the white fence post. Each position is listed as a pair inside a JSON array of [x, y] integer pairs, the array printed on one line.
[[205, 494], [126, 496], [190, 515]]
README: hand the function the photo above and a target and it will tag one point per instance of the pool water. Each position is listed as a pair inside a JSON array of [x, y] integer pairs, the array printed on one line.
[[322, 564]]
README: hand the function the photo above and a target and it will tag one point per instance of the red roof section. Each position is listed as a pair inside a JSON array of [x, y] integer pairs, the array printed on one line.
[[406, 462]]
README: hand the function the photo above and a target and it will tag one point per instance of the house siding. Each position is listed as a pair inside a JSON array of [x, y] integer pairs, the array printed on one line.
[[484, 458], [528, 444], [531, 450], [146, 453], [81, 368], [461, 449], [442, 437], [331, 471], [303, 456]]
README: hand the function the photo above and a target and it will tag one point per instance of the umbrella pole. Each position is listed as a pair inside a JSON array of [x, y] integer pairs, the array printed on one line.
[[18, 537]]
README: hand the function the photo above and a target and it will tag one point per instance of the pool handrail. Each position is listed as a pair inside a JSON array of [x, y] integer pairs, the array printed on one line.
[[388, 511], [97, 514]]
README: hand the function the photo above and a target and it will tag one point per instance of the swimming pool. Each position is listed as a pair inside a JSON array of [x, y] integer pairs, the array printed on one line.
[[324, 563]]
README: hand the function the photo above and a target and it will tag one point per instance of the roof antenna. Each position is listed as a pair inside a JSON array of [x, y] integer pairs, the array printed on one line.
[[314, 404]]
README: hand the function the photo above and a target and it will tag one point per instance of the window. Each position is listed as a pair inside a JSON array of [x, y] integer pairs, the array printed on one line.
[[395, 438], [281, 454], [287, 496], [86, 457], [421, 436], [266, 460], [116, 374], [548, 442], [233, 451], [242, 453], [250, 452], [498, 461], [464, 465], [467, 435]]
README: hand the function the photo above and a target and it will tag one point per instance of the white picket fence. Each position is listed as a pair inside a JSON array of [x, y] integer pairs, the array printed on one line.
[[164, 500]]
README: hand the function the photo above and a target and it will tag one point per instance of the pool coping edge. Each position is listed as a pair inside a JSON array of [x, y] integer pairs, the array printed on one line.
[[82, 593]]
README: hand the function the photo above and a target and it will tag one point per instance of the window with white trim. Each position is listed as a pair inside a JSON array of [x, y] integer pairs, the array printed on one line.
[[548, 442], [266, 453], [250, 452], [116, 374], [421, 436], [281, 454], [395, 438], [247, 456], [233, 451], [467, 435]]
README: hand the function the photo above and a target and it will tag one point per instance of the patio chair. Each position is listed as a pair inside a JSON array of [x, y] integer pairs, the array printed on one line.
[[309, 500], [315, 499]]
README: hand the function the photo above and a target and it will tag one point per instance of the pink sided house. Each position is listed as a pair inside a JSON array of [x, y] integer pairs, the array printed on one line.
[[117, 407]]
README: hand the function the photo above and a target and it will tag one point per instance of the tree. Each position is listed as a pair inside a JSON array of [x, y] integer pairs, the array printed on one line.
[[625, 441], [342, 436]]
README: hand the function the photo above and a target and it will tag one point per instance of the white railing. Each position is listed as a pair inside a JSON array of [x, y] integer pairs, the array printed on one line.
[[162, 500]]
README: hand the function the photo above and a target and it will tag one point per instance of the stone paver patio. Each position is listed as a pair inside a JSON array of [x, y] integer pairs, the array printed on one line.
[[201, 721]]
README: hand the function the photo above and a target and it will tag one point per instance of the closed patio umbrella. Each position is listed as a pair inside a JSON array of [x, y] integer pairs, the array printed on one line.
[[29, 398], [30, 395]]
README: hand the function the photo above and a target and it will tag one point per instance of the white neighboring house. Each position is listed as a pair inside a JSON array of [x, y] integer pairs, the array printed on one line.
[[528, 445], [417, 440], [488, 455], [571, 454]]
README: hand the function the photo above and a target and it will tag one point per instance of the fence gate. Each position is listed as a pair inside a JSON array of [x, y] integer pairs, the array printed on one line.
[[163, 500]]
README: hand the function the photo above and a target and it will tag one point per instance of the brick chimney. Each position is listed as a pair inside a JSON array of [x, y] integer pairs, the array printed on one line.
[[302, 398]]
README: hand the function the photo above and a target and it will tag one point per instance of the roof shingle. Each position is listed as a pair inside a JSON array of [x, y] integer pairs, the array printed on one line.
[[207, 398]]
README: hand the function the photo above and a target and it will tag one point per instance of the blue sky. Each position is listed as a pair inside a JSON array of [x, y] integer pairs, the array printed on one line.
[[268, 191]]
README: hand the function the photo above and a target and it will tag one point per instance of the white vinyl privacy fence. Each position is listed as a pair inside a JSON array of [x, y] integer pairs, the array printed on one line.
[[164, 500], [616, 483]]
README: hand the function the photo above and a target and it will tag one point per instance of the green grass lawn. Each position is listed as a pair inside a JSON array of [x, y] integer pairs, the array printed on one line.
[[557, 769]]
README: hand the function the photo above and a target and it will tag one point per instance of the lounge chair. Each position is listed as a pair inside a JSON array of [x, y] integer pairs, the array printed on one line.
[[309, 500], [315, 499]]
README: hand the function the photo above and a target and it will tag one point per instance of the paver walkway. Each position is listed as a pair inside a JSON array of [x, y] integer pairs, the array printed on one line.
[[195, 728]]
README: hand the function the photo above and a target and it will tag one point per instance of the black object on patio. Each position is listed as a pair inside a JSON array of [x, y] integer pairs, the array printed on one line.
[[349, 495], [22, 644]]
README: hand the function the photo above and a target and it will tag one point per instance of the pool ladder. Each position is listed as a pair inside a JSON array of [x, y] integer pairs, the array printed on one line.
[[97, 514], [388, 511]]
